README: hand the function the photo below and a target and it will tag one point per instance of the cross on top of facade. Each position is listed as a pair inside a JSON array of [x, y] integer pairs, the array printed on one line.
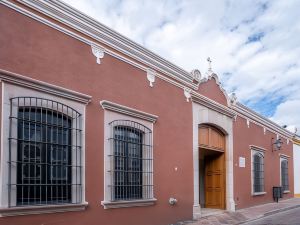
[[209, 63]]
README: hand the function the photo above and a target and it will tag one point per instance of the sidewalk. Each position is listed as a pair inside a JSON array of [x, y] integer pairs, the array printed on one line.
[[246, 215]]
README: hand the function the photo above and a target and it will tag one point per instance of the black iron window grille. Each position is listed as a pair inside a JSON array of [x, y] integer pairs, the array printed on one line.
[[258, 172], [131, 161], [284, 175], [44, 153]]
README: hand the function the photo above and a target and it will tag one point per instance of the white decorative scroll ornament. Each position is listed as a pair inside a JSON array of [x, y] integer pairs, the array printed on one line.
[[235, 117], [265, 130], [248, 123], [98, 52], [151, 76], [233, 98], [196, 75], [187, 94]]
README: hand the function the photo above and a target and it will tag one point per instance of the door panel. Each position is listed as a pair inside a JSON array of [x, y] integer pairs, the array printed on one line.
[[211, 138], [215, 181]]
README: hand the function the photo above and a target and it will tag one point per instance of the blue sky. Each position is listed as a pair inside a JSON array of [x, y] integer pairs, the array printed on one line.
[[254, 44]]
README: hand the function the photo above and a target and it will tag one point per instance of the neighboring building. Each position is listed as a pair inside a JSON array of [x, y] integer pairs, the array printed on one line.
[[296, 152], [96, 129]]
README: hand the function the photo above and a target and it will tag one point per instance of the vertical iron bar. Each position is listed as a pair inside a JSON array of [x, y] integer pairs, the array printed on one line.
[[9, 154], [46, 153], [22, 147], [35, 142], [29, 151], [76, 162]]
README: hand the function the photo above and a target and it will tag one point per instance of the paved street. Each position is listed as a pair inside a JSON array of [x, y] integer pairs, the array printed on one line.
[[285, 218], [282, 213]]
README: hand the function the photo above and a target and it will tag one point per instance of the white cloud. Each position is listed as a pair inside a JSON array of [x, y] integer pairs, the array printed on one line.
[[254, 44]]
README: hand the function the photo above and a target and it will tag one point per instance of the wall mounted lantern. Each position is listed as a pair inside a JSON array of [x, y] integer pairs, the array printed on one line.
[[276, 145]]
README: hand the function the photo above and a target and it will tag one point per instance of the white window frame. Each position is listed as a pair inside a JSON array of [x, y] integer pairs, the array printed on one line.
[[112, 112], [255, 150], [283, 158], [41, 90]]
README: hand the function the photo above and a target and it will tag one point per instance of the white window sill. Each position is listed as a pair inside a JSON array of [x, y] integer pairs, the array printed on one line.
[[124, 204], [29, 210], [259, 193], [286, 191]]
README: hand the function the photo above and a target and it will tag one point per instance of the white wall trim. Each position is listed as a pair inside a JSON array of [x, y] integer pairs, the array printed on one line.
[[257, 148], [126, 204], [38, 85], [77, 20], [254, 150], [284, 156], [206, 115], [258, 119], [171, 79], [73, 18], [200, 99], [11, 90], [211, 75], [128, 111], [108, 202], [31, 210]]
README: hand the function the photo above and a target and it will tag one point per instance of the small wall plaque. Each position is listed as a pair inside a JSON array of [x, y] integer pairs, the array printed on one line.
[[242, 162]]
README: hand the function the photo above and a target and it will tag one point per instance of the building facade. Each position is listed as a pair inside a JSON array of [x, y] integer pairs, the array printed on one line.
[[97, 129], [296, 152]]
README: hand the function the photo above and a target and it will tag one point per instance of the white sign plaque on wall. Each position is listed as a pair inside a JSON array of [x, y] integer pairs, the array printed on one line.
[[242, 162]]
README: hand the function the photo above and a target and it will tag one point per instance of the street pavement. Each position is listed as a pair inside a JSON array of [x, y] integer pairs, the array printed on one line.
[[290, 217], [283, 213]]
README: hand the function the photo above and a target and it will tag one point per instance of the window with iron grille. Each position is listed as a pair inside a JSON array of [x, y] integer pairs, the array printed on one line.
[[284, 174], [131, 161], [44, 153], [258, 172]]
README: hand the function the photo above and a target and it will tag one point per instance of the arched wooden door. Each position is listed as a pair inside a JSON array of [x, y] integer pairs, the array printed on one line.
[[212, 141]]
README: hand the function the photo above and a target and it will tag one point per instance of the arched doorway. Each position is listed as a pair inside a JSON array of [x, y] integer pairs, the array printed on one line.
[[211, 144]]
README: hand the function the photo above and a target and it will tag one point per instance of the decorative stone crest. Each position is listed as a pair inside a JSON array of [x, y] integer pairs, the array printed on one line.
[[98, 52], [196, 74], [187, 94], [151, 76]]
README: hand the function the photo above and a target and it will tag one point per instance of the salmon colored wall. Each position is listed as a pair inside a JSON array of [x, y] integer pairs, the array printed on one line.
[[254, 135], [211, 90], [30, 48]]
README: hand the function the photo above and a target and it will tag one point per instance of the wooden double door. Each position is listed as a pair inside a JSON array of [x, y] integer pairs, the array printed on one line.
[[212, 143]]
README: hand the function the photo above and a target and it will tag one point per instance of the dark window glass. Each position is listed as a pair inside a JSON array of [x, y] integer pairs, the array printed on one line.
[[258, 172], [284, 175], [128, 177], [44, 157]]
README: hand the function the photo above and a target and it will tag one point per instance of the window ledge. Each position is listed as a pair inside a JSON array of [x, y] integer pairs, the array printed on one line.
[[286, 191], [124, 204], [29, 210], [259, 193]]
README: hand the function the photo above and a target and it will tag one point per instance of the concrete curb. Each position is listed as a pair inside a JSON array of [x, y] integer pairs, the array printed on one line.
[[269, 214]]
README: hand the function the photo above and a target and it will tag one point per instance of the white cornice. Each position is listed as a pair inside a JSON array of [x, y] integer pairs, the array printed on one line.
[[128, 111], [263, 121], [75, 19], [202, 100], [25, 81]]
